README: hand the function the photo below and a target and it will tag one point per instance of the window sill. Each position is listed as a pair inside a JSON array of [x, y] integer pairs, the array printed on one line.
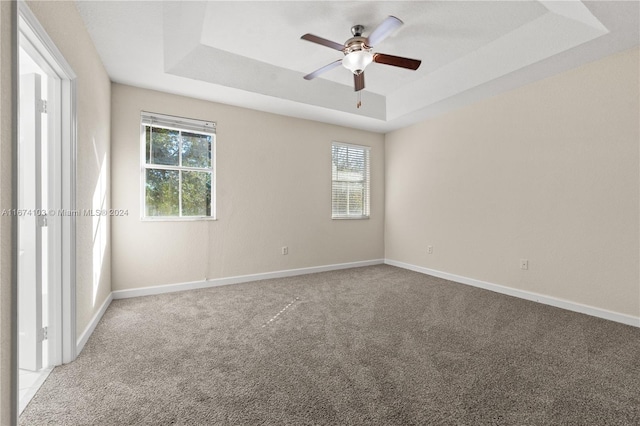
[[177, 219], [349, 217]]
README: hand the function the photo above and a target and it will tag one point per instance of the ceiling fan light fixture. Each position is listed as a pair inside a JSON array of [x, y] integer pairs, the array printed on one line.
[[357, 60]]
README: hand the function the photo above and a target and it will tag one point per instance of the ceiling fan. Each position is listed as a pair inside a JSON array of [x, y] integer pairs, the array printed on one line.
[[358, 52]]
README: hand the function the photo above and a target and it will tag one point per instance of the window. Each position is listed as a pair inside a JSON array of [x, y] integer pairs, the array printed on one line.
[[178, 174], [350, 181]]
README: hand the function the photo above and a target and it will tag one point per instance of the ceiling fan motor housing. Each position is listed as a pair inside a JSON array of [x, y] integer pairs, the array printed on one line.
[[357, 53]]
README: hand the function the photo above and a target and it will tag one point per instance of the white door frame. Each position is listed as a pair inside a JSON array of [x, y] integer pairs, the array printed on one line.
[[62, 161], [30, 229]]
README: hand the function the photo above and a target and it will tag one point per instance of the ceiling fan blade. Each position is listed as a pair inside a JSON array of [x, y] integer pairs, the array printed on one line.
[[358, 81], [383, 30], [326, 68], [396, 61], [323, 41]]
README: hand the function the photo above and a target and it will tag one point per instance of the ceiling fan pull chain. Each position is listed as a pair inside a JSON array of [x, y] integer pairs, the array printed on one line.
[[359, 104]]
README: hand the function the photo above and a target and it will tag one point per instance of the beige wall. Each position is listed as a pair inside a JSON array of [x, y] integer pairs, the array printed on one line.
[[64, 25], [547, 172], [273, 190], [6, 136]]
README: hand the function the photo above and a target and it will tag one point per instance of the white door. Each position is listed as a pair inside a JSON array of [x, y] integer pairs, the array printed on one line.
[[30, 223]]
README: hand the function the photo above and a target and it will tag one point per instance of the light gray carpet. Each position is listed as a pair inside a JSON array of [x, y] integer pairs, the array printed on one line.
[[376, 345]]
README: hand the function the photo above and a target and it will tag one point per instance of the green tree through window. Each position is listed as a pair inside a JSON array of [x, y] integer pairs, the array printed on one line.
[[178, 167]]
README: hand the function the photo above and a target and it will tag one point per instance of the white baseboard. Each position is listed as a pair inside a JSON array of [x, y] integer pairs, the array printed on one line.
[[523, 294], [82, 340], [170, 288]]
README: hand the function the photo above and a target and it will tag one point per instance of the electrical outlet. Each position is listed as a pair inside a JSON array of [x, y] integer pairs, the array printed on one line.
[[285, 250], [524, 264], [429, 249]]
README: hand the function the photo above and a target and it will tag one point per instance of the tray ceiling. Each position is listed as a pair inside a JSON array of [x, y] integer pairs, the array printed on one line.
[[250, 53]]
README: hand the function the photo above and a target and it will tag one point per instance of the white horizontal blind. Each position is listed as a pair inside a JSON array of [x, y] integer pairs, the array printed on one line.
[[350, 181], [177, 123]]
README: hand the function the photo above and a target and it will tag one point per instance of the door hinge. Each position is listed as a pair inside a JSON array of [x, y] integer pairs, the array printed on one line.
[[42, 106], [44, 333], [42, 221]]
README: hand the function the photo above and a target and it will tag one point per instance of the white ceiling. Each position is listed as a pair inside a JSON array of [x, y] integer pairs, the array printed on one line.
[[250, 53]]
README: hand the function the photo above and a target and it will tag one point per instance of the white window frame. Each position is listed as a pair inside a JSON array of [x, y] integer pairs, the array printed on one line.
[[181, 124], [366, 182]]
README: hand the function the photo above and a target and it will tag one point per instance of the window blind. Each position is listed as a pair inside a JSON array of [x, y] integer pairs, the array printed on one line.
[[177, 123], [350, 181]]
